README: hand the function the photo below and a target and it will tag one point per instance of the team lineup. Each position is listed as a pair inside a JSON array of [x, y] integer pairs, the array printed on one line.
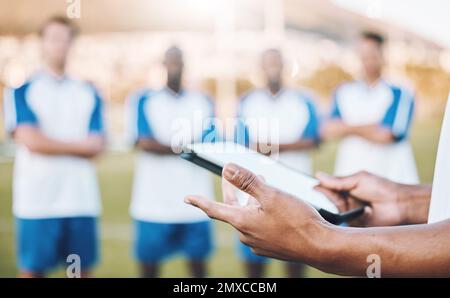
[[57, 123]]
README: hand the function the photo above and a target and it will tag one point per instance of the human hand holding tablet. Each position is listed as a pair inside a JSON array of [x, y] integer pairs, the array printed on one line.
[[214, 156]]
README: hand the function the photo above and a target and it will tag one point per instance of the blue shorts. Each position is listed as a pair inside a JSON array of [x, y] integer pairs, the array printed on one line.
[[246, 254], [43, 244], [155, 242]]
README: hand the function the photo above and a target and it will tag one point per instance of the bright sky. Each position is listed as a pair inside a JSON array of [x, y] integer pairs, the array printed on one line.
[[430, 18]]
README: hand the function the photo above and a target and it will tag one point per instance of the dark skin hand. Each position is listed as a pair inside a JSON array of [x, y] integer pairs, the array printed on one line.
[[388, 203], [278, 225]]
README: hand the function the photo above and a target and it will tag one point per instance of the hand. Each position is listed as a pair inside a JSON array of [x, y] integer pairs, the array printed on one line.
[[273, 223], [267, 148], [230, 193], [381, 195], [334, 129], [91, 146]]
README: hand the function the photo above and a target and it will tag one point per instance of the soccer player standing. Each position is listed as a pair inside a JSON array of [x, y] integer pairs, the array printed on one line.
[[277, 118], [372, 118], [162, 121], [57, 124]]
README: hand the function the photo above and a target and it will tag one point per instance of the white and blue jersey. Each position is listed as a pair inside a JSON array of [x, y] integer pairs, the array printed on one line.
[[284, 118], [47, 186], [392, 107], [162, 181]]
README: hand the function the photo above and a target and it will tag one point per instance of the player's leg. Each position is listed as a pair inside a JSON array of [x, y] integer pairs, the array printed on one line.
[[81, 241], [254, 265], [153, 243], [26, 274], [254, 269], [197, 245], [38, 243], [295, 269], [197, 268], [149, 270]]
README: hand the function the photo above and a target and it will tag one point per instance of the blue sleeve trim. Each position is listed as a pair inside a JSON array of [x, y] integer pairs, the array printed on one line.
[[210, 133], [399, 116], [24, 114], [311, 131], [143, 125], [241, 133], [335, 112], [96, 122]]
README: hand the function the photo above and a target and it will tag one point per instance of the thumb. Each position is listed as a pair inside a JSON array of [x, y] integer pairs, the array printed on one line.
[[229, 193], [337, 183], [335, 197], [365, 220], [246, 181]]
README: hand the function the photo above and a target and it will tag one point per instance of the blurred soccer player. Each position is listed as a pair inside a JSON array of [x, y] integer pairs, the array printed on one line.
[[164, 225], [373, 117], [56, 122], [298, 131]]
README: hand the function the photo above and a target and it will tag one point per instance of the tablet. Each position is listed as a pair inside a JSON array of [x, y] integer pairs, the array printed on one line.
[[214, 156]]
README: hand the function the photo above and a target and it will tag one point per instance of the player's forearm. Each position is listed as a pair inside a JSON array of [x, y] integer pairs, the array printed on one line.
[[38, 142], [420, 250], [299, 145], [414, 200], [269, 149], [153, 146], [89, 148], [373, 133]]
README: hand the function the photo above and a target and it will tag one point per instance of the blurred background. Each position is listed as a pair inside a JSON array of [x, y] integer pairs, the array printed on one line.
[[121, 46]]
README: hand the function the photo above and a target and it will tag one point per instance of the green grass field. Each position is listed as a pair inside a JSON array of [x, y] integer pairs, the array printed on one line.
[[115, 173]]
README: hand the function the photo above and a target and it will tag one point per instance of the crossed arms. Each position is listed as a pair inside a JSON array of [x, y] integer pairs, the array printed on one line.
[[36, 141], [376, 133]]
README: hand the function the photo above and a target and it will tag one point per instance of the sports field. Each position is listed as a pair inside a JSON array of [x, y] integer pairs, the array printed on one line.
[[115, 173]]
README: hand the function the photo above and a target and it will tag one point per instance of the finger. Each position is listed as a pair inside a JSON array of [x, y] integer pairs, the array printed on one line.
[[338, 183], [253, 202], [338, 200], [368, 211], [364, 219], [220, 211], [354, 203], [229, 193], [246, 181], [367, 216]]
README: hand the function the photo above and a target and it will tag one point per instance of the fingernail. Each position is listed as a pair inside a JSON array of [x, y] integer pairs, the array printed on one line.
[[187, 200], [230, 170]]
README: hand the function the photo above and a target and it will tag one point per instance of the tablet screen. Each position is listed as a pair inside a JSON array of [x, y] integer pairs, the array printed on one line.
[[275, 173]]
